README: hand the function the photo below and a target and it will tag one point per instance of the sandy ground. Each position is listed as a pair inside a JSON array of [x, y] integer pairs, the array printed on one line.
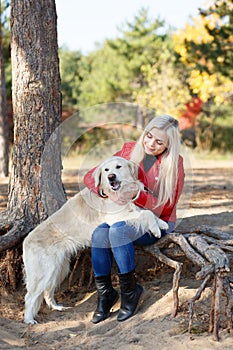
[[152, 327]]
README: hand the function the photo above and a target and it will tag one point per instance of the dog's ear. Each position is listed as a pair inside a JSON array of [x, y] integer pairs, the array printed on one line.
[[97, 176], [133, 169]]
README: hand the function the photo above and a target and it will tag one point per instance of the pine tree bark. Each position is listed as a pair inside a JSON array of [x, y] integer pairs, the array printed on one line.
[[4, 149], [35, 188]]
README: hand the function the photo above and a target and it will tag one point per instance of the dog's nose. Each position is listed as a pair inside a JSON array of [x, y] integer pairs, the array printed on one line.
[[112, 177]]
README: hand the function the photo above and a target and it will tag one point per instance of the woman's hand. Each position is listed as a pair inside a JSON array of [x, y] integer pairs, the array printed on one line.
[[125, 195]]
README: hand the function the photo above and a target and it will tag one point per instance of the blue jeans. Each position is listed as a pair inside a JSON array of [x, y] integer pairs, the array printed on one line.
[[118, 240]]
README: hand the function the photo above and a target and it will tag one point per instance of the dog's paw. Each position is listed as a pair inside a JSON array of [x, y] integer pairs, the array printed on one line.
[[155, 230], [60, 307], [162, 224], [30, 321]]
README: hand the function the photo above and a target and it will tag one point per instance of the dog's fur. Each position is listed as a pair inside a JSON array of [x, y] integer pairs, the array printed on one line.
[[48, 248]]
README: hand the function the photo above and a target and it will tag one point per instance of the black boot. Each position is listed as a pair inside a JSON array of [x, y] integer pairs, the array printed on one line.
[[130, 296], [107, 297]]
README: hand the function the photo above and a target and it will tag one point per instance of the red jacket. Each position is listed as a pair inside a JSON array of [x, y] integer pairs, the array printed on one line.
[[148, 198]]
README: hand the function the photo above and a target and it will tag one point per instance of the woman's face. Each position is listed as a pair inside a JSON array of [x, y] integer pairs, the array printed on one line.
[[155, 142]]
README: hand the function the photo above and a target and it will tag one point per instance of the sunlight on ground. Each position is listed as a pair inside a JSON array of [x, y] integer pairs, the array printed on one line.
[[196, 159]]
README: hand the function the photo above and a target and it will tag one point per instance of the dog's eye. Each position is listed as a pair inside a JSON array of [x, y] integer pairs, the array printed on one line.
[[106, 169], [118, 166]]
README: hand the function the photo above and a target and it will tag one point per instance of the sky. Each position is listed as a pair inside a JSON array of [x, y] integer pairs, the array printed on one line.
[[82, 23]]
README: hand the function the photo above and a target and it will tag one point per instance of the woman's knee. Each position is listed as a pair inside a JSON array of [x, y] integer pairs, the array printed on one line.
[[119, 234], [116, 229], [100, 235]]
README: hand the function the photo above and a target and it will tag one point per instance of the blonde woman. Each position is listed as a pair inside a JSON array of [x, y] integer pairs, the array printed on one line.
[[157, 152]]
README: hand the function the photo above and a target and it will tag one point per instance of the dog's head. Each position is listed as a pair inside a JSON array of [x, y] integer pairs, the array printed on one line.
[[114, 173]]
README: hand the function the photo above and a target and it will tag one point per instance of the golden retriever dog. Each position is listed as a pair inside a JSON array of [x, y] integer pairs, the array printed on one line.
[[48, 248]]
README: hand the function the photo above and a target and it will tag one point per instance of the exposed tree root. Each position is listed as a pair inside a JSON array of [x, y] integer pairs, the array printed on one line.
[[15, 235], [12, 233], [155, 251], [209, 249], [71, 277], [195, 298], [229, 305], [83, 261], [4, 223]]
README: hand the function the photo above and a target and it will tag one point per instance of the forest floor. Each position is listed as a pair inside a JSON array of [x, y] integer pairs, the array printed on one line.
[[152, 327]]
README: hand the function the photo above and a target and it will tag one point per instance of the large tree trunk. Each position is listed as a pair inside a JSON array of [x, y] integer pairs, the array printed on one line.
[[4, 158], [35, 189]]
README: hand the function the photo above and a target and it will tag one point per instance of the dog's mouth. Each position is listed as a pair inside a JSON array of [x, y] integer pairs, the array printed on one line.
[[115, 184]]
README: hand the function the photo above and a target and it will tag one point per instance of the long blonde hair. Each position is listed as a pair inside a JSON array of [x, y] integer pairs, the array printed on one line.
[[168, 172]]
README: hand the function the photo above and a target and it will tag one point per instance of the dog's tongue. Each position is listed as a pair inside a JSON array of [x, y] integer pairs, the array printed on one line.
[[115, 185]]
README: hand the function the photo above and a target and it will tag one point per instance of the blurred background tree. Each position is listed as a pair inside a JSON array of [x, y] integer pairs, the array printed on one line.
[[186, 73], [204, 48], [105, 78], [71, 76], [164, 89], [215, 54], [140, 44]]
